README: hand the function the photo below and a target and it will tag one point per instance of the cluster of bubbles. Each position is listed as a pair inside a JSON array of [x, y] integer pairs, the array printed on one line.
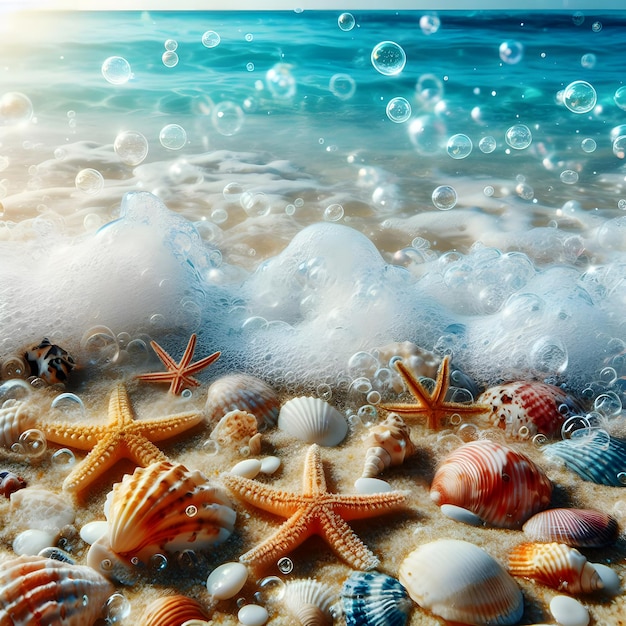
[[170, 57], [102, 347], [131, 147], [388, 58], [116, 70]]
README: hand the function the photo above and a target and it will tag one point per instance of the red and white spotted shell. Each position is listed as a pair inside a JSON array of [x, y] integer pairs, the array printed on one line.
[[501, 486], [524, 408]]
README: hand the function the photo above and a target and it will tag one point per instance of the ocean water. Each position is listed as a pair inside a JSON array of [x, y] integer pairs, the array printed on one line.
[[300, 188]]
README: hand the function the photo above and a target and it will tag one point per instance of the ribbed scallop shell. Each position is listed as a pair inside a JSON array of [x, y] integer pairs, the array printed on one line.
[[242, 392], [580, 528], [35, 591], [461, 582], [594, 456], [389, 443], [556, 565], [523, 409], [235, 429], [166, 507], [15, 418], [500, 485], [309, 601], [173, 611], [374, 599], [313, 420]]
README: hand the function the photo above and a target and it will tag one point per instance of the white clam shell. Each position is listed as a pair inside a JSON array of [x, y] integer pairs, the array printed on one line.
[[42, 509], [309, 601], [568, 611], [461, 582], [33, 541], [313, 420]]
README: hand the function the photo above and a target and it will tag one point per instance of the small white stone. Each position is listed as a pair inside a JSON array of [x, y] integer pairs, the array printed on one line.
[[248, 468], [253, 615], [459, 514], [270, 464], [610, 579], [92, 531], [371, 485], [33, 541], [227, 580], [569, 611]]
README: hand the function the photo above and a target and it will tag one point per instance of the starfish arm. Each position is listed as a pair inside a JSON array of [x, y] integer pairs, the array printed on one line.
[[344, 541], [142, 452], [313, 479], [120, 411], [404, 408], [359, 506], [441, 387], [271, 500], [202, 363], [189, 350], [165, 358], [161, 429], [157, 377], [84, 438], [101, 458], [413, 385]]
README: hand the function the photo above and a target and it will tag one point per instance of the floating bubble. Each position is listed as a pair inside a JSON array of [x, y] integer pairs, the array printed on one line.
[[579, 97], [63, 458], [15, 108], [459, 146], [488, 191], [388, 58], [621, 204], [620, 98], [280, 81], [342, 86], [596, 27], [346, 21], [429, 89], [173, 137], [549, 355], [117, 608], [524, 191], [511, 52], [169, 58], [131, 147], [427, 133], [250, 66], [578, 18], [100, 345], [619, 147], [32, 442], [232, 192], [569, 177], [210, 39], [444, 197], [227, 118], [430, 24], [255, 204], [398, 110], [171, 44], [116, 70], [487, 144], [518, 136], [249, 37], [333, 213], [588, 145], [89, 181], [68, 403], [285, 565], [588, 61]]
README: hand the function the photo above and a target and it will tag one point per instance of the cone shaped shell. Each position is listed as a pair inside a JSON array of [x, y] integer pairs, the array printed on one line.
[[173, 611], [580, 528], [461, 582], [36, 590], [313, 420], [523, 409], [556, 565], [309, 601], [167, 507], [388, 443], [374, 599], [500, 485]]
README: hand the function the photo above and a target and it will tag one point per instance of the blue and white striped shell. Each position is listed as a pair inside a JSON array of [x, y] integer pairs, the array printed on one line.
[[374, 599], [36, 591], [593, 455]]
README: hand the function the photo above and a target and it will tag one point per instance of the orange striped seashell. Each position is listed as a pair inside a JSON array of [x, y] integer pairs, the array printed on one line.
[[580, 528], [524, 408], [389, 443], [501, 486], [37, 591], [173, 611], [556, 565]]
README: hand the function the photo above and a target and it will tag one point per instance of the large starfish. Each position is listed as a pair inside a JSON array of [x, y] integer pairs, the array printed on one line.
[[315, 511], [121, 438], [433, 405], [180, 374]]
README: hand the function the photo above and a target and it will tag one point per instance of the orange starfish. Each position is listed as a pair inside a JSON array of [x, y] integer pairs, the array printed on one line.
[[433, 405], [314, 511], [179, 374], [121, 438]]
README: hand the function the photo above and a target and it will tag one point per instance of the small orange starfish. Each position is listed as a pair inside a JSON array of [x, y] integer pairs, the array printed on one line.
[[121, 438], [314, 511], [179, 375], [433, 405]]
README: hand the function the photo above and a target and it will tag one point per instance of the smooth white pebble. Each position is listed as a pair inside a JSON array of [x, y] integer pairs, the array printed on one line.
[[248, 468], [33, 541], [92, 531], [253, 615], [270, 464], [371, 485], [227, 580], [568, 611]]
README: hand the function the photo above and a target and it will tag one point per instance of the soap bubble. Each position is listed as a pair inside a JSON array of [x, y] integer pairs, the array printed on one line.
[[579, 97], [596, 27], [280, 81], [232, 192], [511, 52], [429, 89], [89, 181], [31, 442], [459, 146], [169, 58], [588, 61], [255, 204], [250, 66], [333, 213], [131, 147], [342, 86], [549, 355], [518, 136], [429, 24], [227, 118], [116, 70], [15, 108], [210, 39], [569, 177], [488, 191], [588, 145], [578, 18], [100, 346], [173, 137], [487, 144], [388, 58], [171, 44], [620, 98], [398, 110], [524, 191], [427, 133], [346, 21], [619, 147], [444, 197], [116, 608]]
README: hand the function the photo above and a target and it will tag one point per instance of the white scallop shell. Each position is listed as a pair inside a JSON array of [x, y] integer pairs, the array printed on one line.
[[309, 601], [461, 582], [15, 418], [313, 420]]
